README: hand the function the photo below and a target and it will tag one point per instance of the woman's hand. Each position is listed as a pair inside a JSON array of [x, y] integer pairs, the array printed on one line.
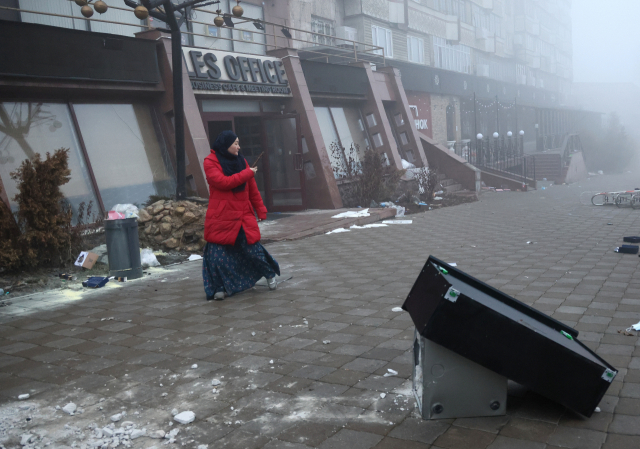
[[254, 169]]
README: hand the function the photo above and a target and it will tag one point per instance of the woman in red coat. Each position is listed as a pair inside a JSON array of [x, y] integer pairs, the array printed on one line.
[[234, 259]]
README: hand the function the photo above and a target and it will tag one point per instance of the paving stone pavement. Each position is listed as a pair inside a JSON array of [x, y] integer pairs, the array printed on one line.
[[303, 366]]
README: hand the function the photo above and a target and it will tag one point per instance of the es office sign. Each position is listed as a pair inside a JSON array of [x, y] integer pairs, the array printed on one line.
[[223, 73]]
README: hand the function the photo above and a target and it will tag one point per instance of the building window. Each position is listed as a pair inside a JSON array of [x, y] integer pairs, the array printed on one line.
[[246, 36], [398, 119], [371, 120], [28, 129], [212, 30], [451, 57], [323, 26], [377, 140], [343, 127], [382, 37], [127, 154], [404, 138], [415, 49]]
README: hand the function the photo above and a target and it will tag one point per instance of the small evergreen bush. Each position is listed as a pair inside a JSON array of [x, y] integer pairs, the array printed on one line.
[[42, 234]]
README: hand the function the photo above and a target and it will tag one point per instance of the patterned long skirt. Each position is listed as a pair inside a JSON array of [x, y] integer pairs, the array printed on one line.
[[237, 267]]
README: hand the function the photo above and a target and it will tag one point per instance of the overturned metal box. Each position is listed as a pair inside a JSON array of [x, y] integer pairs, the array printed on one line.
[[447, 385], [493, 331]]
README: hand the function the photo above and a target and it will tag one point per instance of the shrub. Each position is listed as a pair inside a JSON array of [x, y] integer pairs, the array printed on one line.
[[363, 179], [44, 221], [9, 233]]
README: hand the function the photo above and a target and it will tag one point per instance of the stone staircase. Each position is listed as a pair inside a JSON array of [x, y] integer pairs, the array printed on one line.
[[447, 184]]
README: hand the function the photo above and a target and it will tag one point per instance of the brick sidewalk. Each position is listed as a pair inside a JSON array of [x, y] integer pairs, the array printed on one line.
[[303, 366]]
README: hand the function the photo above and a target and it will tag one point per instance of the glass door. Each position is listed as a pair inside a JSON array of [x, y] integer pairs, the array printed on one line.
[[283, 164]]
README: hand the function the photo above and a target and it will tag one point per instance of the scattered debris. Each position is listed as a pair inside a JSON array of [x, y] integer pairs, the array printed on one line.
[[326, 342], [390, 372], [383, 395], [194, 366], [397, 309], [95, 282], [148, 259], [597, 410], [194, 257], [634, 327], [627, 249], [215, 382], [22, 397], [117, 417]]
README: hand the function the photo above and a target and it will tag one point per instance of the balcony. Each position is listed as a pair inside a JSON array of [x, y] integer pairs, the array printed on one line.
[[486, 45], [532, 27], [310, 45]]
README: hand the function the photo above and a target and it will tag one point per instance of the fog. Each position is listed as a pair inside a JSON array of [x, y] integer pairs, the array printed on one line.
[[606, 41], [606, 59]]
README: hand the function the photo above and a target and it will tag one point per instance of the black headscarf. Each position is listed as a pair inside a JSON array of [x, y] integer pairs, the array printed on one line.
[[230, 164]]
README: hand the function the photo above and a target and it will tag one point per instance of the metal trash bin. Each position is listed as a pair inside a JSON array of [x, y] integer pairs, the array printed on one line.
[[123, 248]]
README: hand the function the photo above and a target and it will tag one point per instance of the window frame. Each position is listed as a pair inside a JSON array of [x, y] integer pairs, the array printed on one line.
[[388, 39], [420, 44]]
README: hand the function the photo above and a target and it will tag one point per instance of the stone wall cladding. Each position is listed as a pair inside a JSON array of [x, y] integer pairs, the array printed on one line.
[[172, 225], [376, 8], [426, 23]]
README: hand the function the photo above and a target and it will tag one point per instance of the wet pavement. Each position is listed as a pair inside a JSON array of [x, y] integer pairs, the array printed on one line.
[[303, 366]]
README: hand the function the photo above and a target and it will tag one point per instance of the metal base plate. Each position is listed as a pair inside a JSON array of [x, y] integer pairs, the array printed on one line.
[[447, 385]]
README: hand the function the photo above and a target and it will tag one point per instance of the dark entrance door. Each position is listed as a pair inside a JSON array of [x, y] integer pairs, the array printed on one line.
[[285, 180], [280, 178], [451, 123]]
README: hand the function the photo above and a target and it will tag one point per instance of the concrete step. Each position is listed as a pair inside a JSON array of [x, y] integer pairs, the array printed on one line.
[[447, 182], [451, 188]]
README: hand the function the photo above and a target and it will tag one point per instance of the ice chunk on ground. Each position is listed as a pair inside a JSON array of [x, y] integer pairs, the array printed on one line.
[[185, 417], [215, 382], [22, 397], [137, 433], [117, 417], [157, 434], [70, 408], [397, 309]]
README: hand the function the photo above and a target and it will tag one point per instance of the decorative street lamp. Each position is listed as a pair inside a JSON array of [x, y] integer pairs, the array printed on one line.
[[174, 14]]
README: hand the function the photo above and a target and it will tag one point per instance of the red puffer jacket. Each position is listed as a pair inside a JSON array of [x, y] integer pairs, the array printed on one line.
[[228, 211]]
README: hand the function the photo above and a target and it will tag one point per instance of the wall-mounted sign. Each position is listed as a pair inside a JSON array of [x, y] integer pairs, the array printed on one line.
[[420, 105], [223, 73]]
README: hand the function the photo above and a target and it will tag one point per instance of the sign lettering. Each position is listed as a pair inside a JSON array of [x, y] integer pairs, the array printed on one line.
[[212, 71]]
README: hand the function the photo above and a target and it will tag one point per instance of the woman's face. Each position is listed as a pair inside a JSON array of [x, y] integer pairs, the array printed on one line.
[[235, 147]]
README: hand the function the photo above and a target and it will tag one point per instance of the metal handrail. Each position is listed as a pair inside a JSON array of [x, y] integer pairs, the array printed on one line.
[[369, 49], [504, 155]]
